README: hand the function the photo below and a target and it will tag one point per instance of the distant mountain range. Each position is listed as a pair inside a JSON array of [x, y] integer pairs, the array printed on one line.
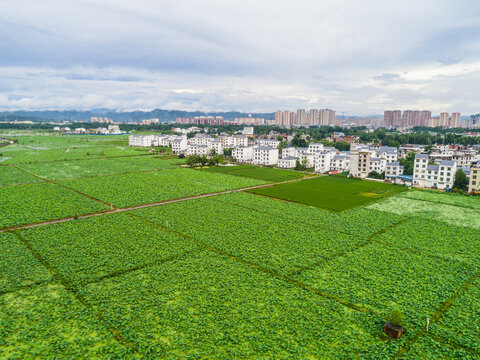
[[119, 116]]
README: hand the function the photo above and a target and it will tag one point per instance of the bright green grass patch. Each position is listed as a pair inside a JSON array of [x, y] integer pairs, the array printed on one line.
[[48, 322], [142, 188], [383, 278], [330, 192], [88, 249], [263, 239], [360, 222], [18, 267], [31, 203], [207, 306], [12, 176], [454, 215], [257, 172], [472, 202]]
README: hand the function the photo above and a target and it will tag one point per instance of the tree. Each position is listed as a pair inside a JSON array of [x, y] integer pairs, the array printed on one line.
[[227, 151], [376, 175], [217, 159], [342, 145], [193, 160], [297, 141], [280, 138], [203, 160], [190, 135], [461, 180], [408, 163]]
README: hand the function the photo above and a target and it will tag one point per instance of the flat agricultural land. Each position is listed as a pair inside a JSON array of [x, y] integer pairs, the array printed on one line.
[[231, 275], [335, 193], [257, 172]]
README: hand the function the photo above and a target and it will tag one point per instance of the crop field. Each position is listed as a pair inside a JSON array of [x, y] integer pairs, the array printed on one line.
[[142, 188], [257, 172], [229, 276], [331, 192]]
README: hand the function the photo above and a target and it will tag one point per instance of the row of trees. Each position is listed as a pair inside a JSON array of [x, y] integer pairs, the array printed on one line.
[[197, 160]]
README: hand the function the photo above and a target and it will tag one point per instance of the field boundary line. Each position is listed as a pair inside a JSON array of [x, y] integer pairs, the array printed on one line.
[[135, 207], [73, 289], [454, 344], [278, 276], [370, 239], [446, 305]]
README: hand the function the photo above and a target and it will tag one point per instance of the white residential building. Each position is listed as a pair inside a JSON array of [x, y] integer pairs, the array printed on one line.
[[393, 169], [269, 143], [340, 162], [377, 164], [265, 155], [141, 140], [315, 148], [198, 150], [287, 162], [243, 153], [179, 145], [289, 152], [441, 176], [215, 145], [307, 159], [420, 169]]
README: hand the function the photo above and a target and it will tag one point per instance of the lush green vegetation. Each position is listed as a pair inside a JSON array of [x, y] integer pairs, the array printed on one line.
[[112, 243], [257, 172], [229, 276], [142, 188], [331, 192], [13, 176], [31, 203]]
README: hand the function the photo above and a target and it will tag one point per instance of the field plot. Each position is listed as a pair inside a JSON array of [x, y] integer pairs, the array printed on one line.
[[18, 267], [25, 204], [12, 176], [360, 221], [143, 188], [257, 172], [262, 239], [153, 162], [331, 192], [383, 278], [460, 323], [206, 306], [40, 149], [451, 214], [88, 249], [438, 197], [47, 322], [455, 243]]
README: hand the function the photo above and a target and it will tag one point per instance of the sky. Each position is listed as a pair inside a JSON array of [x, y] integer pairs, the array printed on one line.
[[356, 57]]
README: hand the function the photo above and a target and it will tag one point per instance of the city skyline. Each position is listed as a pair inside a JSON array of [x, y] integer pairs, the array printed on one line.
[[245, 56]]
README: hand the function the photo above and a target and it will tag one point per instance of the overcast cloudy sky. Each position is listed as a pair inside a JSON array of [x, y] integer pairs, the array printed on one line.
[[355, 56]]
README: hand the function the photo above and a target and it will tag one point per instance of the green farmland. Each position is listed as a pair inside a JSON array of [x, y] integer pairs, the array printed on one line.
[[310, 269], [335, 193]]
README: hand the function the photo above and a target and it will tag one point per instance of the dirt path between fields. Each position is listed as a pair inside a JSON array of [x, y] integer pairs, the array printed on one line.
[[136, 207]]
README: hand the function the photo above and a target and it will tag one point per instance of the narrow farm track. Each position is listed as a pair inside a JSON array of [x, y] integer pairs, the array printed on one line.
[[136, 207], [438, 315]]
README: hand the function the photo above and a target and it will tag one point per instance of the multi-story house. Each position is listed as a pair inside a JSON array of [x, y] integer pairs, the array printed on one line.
[[420, 169], [393, 170], [243, 153], [265, 155], [269, 143], [441, 176], [287, 162], [474, 183]]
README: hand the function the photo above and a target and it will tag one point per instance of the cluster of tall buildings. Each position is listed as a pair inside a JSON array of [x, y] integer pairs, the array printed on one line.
[[104, 120], [411, 118], [201, 120], [218, 120], [301, 117]]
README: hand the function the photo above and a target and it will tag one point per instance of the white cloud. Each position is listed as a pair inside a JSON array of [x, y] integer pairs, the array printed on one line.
[[354, 56]]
